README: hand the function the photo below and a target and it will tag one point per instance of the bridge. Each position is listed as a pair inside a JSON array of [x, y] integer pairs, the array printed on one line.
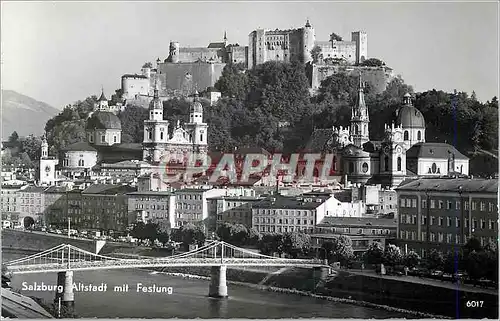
[[66, 258]]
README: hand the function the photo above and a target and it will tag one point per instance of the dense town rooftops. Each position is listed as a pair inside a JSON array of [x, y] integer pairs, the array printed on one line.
[[236, 198], [298, 202], [192, 190], [352, 237], [216, 45], [451, 185], [55, 189], [433, 150], [357, 221]]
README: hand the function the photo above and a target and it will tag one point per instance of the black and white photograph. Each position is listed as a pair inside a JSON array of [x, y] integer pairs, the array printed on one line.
[[249, 159]]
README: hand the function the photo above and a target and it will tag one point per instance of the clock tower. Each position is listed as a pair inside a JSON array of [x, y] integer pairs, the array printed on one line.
[[47, 165]]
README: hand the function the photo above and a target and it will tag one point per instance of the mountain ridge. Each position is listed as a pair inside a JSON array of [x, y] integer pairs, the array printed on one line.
[[24, 114]]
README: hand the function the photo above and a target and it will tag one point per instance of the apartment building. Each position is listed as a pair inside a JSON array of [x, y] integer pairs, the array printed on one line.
[[446, 213], [152, 206], [191, 204], [287, 214], [31, 203], [10, 202], [231, 209]]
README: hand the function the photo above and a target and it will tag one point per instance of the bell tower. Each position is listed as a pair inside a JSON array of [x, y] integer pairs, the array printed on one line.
[[155, 130], [360, 120]]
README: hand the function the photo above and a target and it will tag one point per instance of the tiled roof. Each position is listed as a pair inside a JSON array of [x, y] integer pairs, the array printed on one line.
[[357, 221], [352, 237], [283, 202], [55, 189], [33, 189], [108, 189], [216, 45], [433, 150], [451, 184]]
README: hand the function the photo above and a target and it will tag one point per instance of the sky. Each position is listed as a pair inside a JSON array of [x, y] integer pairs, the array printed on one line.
[[61, 52]]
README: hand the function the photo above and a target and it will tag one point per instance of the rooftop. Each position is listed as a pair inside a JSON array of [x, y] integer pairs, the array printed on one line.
[[433, 150], [357, 221], [80, 146], [33, 189], [451, 184], [284, 202], [152, 193], [108, 189]]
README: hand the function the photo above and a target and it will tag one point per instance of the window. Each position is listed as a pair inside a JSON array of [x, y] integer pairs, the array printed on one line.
[[474, 224], [414, 203], [433, 237], [448, 221], [424, 203], [457, 239], [351, 167], [406, 135], [365, 167], [114, 138], [81, 162], [419, 135], [150, 134], [491, 225], [408, 202], [482, 206], [201, 137], [424, 220], [434, 168], [448, 205], [432, 221], [402, 201], [440, 237], [399, 163], [433, 204], [483, 224], [457, 205], [424, 236], [466, 205], [440, 204], [490, 207], [473, 205], [386, 163], [457, 222], [414, 219], [448, 238], [161, 135], [103, 138]]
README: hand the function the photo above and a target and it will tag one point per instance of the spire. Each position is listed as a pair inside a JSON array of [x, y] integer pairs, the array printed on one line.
[[407, 99], [103, 97], [155, 95], [225, 36], [308, 25], [360, 101]]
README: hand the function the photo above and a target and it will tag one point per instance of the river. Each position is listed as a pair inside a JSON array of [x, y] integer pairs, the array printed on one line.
[[188, 298]]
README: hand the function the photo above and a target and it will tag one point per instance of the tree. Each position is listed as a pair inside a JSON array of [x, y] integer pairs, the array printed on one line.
[[233, 82], [271, 243], [374, 253], [192, 234], [473, 244], [239, 234], [224, 232], [335, 37], [412, 259], [295, 243], [392, 255], [253, 237], [435, 260], [372, 62], [13, 138], [315, 54], [31, 145], [132, 120], [339, 249], [147, 65]]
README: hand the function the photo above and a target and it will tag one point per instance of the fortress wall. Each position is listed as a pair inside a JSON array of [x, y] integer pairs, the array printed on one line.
[[200, 74], [377, 77], [187, 55]]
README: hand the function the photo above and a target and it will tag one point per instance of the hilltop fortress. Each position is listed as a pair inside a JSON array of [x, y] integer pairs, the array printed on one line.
[[188, 69]]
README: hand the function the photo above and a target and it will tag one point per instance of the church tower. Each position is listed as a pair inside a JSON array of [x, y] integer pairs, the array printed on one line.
[[197, 129], [155, 130], [225, 39], [102, 102], [47, 175], [359, 129]]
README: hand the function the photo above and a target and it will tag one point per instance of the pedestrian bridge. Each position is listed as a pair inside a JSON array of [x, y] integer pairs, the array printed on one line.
[[218, 253]]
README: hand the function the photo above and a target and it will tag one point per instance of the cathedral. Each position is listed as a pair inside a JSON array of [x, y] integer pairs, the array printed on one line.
[[403, 152], [103, 145]]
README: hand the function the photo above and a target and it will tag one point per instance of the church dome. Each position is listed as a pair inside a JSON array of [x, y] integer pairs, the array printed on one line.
[[103, 120], [408, 116]]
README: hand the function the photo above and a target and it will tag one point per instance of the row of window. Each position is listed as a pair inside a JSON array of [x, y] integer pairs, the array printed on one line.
[[283, 221], [280, 229], [442, 237], [412, 219], [412, 203], [184, 206], [259, 212], [153, 207]]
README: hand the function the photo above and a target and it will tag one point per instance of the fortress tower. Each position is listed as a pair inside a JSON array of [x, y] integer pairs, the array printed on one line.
[[174, 52], [308, 40], [361, 40]]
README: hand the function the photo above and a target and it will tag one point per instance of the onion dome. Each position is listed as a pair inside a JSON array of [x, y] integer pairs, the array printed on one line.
[[196, 106]]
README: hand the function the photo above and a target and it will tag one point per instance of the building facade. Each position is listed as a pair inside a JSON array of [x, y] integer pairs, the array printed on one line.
[[191, 205], [231, 209], [445, 213], [152, 206], [31, 205], [10, 202]]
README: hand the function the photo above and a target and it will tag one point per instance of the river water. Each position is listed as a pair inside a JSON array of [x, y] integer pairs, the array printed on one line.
[[188, 298]]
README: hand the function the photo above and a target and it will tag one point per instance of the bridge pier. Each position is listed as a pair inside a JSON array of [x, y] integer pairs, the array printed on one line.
[[218, 284], [67, 296]]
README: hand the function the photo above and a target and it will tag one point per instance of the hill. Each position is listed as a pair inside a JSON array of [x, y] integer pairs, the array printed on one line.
[[24, 114]]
